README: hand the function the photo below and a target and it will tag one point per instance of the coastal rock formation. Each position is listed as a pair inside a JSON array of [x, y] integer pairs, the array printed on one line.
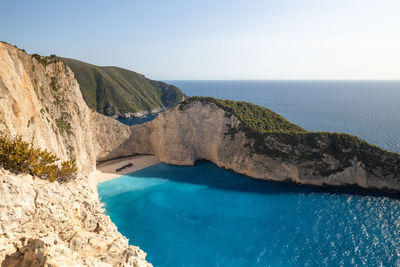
[[267, 147], [113, 139], [44, 223], [204, 129]]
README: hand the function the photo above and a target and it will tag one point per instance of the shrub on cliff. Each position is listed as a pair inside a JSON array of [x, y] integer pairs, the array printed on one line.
[[40, 59], [19, 156], [45, 60]]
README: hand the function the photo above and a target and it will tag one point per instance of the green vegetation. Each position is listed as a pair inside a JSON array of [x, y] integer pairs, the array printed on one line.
[[40, 59], [45, 60], [21, 157], [113, 90]]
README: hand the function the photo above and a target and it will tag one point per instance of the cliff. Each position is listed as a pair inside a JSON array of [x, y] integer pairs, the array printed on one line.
[[257, 142], [44, 223], [43, 104], [120, 92]]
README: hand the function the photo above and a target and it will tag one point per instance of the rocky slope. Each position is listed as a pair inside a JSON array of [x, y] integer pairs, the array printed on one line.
[[120, 92], [51, 223], [64, 222], [266, 147]]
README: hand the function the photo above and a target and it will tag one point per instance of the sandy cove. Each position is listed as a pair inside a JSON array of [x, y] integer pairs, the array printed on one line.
[[108, 170]]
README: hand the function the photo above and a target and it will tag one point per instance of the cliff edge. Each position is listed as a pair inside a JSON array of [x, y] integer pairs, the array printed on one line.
[[46, 223]]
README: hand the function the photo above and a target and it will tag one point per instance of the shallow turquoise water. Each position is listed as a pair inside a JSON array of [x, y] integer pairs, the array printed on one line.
[[207, 216]]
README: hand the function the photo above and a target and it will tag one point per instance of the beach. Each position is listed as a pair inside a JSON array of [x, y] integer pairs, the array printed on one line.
[[108, 170]]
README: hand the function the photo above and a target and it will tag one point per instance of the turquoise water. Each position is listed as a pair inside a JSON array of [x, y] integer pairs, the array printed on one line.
[[140, 120], [207, 216]]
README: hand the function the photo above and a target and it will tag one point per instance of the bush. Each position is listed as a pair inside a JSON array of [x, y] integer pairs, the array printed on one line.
[[40, 59], [19, 156], [45, 60]]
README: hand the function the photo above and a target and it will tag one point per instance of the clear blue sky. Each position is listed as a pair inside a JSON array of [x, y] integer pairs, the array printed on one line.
[[277, 39]]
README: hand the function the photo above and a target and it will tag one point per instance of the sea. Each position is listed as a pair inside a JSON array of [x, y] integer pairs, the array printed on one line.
[[203, 215], [139, 120]]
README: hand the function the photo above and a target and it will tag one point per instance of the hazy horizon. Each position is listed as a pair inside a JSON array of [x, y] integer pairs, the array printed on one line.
[[294, 80], [208, 40]]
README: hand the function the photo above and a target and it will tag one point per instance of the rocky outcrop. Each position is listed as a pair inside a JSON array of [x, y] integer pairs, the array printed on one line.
[[51, 223], [64, 220], [201, 129], [115, 140]]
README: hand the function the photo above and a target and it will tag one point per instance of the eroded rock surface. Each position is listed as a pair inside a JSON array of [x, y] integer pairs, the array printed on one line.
[[52, 224], [64, 222]]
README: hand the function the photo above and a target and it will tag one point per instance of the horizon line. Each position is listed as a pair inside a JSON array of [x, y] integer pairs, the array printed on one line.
[[300, 79]]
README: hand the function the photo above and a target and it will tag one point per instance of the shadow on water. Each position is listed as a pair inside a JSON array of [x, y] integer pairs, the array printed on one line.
[[208, 174], [137, 120]]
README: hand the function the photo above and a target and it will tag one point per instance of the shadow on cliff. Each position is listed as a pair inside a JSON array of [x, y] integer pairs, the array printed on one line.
[[208, 174]]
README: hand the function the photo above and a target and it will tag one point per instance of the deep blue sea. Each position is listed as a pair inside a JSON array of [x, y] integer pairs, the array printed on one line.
[[140, 120], [207, 216]]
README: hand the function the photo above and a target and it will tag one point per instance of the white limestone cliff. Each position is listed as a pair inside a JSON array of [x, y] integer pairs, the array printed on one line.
[[43, 223]]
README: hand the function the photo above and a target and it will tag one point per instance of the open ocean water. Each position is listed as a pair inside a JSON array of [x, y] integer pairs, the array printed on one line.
[[207, 216]]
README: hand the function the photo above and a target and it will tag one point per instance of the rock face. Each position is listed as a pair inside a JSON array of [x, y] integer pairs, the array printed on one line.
[[114, 140], [199, 129], [44, 105], [65, 221], [43, 223]]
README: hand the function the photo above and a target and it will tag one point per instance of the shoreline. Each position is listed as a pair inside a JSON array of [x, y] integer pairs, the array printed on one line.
[[108, 170]]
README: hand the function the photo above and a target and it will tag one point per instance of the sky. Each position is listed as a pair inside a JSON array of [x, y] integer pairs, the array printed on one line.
[[215, 39]]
